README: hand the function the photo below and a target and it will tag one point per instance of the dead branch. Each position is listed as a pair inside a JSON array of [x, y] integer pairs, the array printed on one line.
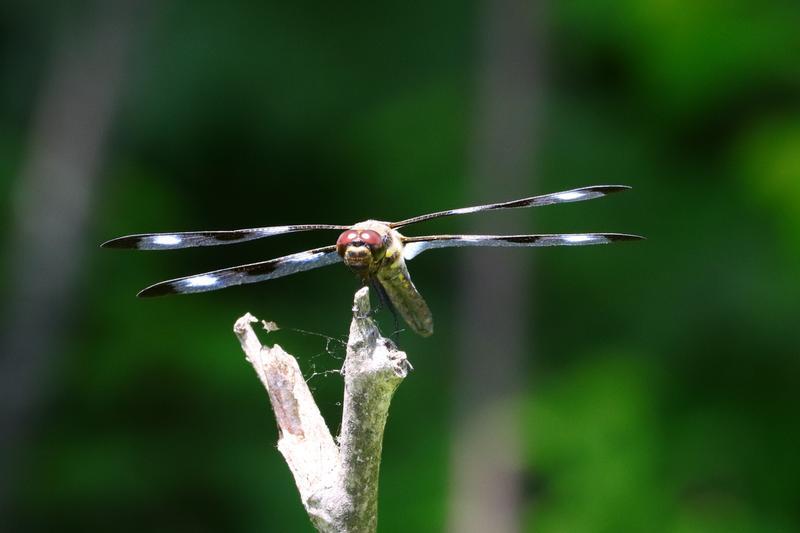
[[338, 483]]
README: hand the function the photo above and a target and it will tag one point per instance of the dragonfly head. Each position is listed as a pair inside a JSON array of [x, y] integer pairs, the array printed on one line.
[[361, 249]]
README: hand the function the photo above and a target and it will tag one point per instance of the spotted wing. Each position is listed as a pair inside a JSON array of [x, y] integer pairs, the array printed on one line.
[[191, 239], [251, 273], [573, 195], [416, 245]]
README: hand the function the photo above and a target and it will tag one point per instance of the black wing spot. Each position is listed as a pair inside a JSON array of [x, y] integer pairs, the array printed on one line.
[[160, 289], [122, 242], [225, 237], [260, 270], [523, 239]]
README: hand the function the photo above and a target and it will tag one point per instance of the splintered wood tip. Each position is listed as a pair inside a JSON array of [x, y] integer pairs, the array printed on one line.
[[361, 307]]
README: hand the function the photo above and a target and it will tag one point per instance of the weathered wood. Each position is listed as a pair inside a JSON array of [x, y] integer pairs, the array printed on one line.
[[338, 483]]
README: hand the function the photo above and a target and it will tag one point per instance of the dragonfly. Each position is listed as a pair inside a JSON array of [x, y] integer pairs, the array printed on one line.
[[374, 250]]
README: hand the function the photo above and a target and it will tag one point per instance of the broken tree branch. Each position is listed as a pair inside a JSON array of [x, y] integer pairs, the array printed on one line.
[[338, 484]]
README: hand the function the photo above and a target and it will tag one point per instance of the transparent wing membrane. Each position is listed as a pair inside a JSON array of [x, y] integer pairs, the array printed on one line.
[[250, 273], [573, 195], [192, 239], [416, 245]]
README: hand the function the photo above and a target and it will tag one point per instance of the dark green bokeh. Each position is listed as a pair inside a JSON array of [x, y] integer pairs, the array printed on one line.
[[662, 394]]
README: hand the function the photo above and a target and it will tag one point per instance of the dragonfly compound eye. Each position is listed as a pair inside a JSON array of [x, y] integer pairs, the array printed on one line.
[[359, 237], [370, 238], [346, 238]]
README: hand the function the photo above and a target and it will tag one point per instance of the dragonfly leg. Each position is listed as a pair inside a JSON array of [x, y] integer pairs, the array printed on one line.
[[396, 332], [384, 301]]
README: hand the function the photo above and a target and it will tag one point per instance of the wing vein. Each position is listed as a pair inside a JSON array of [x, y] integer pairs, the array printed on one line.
[[573, 195], [413, 246], [242, 274], [192, 239]]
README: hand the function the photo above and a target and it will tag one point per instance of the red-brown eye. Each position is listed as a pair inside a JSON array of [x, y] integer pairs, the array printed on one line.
[[369, 237], [347, 237], [366, 236]]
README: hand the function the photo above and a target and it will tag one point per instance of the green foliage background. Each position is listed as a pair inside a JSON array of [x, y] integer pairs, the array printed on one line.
[[664, 377]]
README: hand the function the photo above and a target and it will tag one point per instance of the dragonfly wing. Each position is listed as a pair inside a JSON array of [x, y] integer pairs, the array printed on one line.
[[416, 245], [573, 195], [251, 273], [192, 239]]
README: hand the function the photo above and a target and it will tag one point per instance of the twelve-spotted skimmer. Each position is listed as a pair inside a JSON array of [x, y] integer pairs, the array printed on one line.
[[374, 250]]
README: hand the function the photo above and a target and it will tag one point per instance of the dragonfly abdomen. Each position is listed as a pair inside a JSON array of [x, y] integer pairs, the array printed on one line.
[[404, 296]]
